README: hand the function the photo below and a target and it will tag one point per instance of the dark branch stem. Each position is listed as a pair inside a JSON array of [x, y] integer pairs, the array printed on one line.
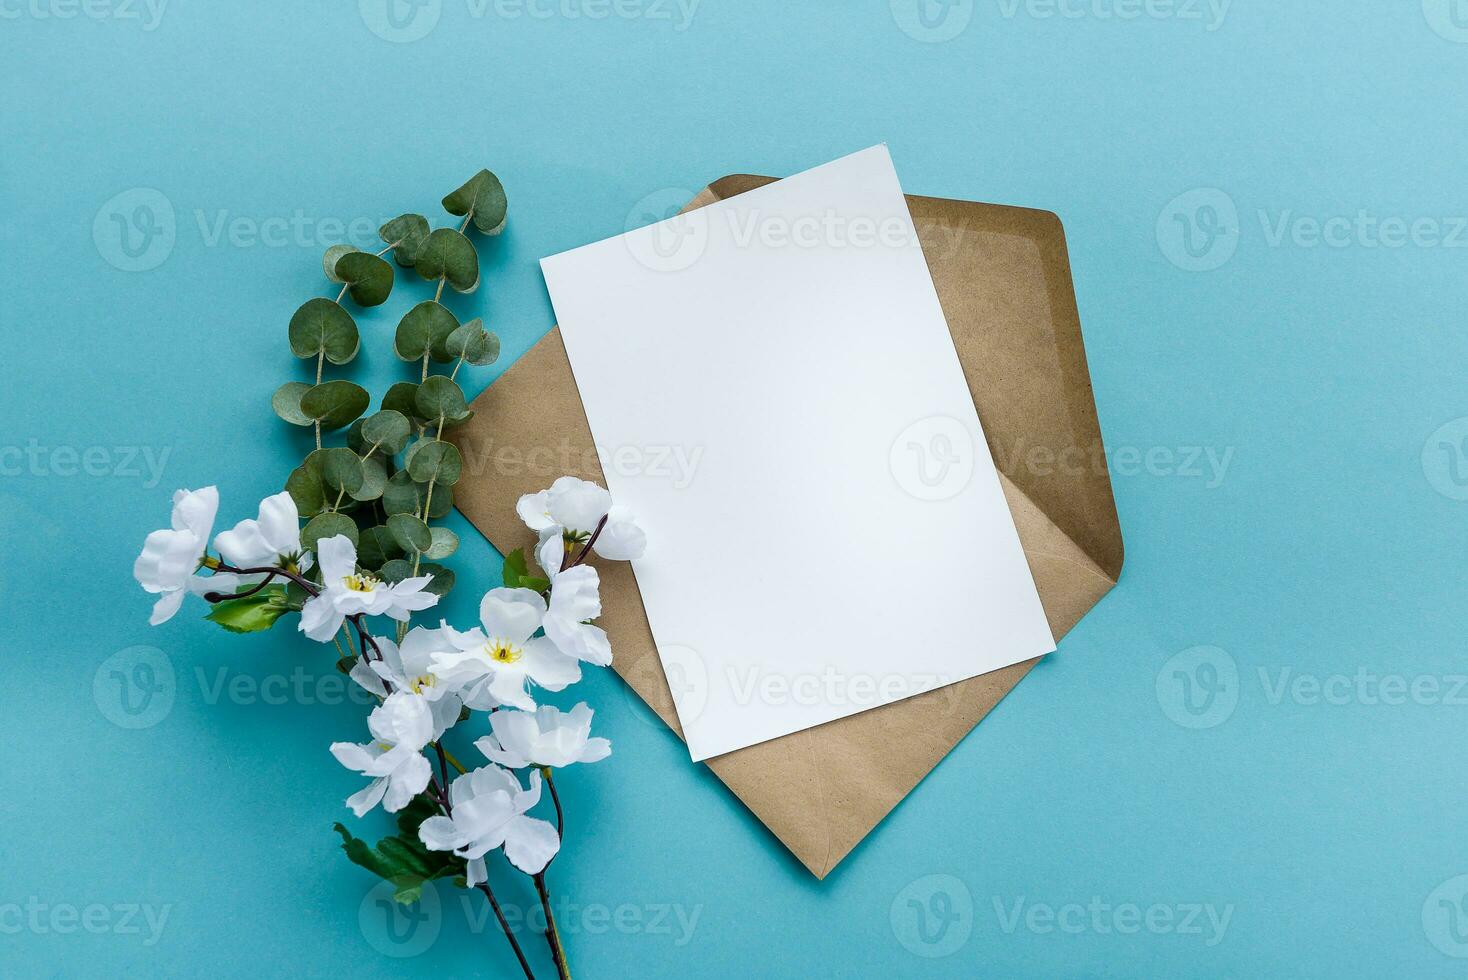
[[505, 928], [586, 549]]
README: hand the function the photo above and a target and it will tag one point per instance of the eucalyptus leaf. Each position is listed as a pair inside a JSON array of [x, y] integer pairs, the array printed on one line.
[[327, 526], [305, 487], [369, 277], [321, 325], [439, 398], [473, 343], [330, 259], [402, 398], [340, 468], [426, 327], [443, 578], [335, 403], [441, 503], [388, 430], [437, 462], [406, 234], [444, 543], [287, 402], [401, 496], [374, 480], [410, 532], [483, 198], [449, 255], [396, 570], [376, 547]]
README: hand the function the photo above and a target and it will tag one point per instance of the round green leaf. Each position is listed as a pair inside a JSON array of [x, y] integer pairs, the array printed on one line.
[[339, 468], [304, 486], [335, 403], [436, 462], [374, 480], [445, 543], [482, 197], [396, 570], [448, 254], [442, 502], [287, 402], [322, 325], [400, 496], [406, 234], [369, 276], [376, 547], [473, 343], [330, 259], [410, 532], [443, 578], [402, 398], [327, 526], [388, 430], [439, 398], [426, 327]]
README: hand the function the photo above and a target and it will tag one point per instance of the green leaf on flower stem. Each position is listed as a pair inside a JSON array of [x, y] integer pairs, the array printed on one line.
[[327, 526], [516, 573], [485, 195], [305, 487], [388, 430], [339, 469], [442, 502], [287, 402], [321, 325], [426, 327], [448, 254], [410, 532], [444, 543], [473, 343], [436, 462], [369, 277], [402, 398], [396, 570], [406, 233], [376, 546], [374, 480], [252, 613], [332, 257], [335, 403], [402, 858], [439, 398]]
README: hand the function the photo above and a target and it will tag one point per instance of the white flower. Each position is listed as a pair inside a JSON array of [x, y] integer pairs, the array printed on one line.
[[546, 738], [575, 597], [171, 557], [570, 503], [274, 536], [347, 592], [488, 812], [495, 665], [621, 539], [401, 726], [406, 669]]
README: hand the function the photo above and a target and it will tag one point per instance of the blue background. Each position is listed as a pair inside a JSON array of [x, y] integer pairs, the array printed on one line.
[[1332, 544]]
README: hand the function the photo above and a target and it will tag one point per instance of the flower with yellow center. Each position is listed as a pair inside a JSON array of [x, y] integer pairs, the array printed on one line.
[[350, 592], [496, 663], [405, 668]]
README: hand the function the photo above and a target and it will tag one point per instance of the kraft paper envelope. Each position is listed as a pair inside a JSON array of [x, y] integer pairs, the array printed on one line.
[[1003, 280]]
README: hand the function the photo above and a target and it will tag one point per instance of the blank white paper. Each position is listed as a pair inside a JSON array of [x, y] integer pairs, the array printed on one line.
[[774, 392]]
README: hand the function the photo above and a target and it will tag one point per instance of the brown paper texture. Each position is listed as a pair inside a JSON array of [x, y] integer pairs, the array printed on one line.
[[1003, 279]]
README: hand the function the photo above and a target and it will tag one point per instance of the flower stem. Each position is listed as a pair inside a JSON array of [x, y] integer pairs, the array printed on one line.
[[505, 928], [552, 934]]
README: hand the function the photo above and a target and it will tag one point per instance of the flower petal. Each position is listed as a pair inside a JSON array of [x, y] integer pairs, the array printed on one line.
[[367, 798], [548, 666], [511, 614], [337, 557], [165, 607], [532, 510], [530, 843]]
